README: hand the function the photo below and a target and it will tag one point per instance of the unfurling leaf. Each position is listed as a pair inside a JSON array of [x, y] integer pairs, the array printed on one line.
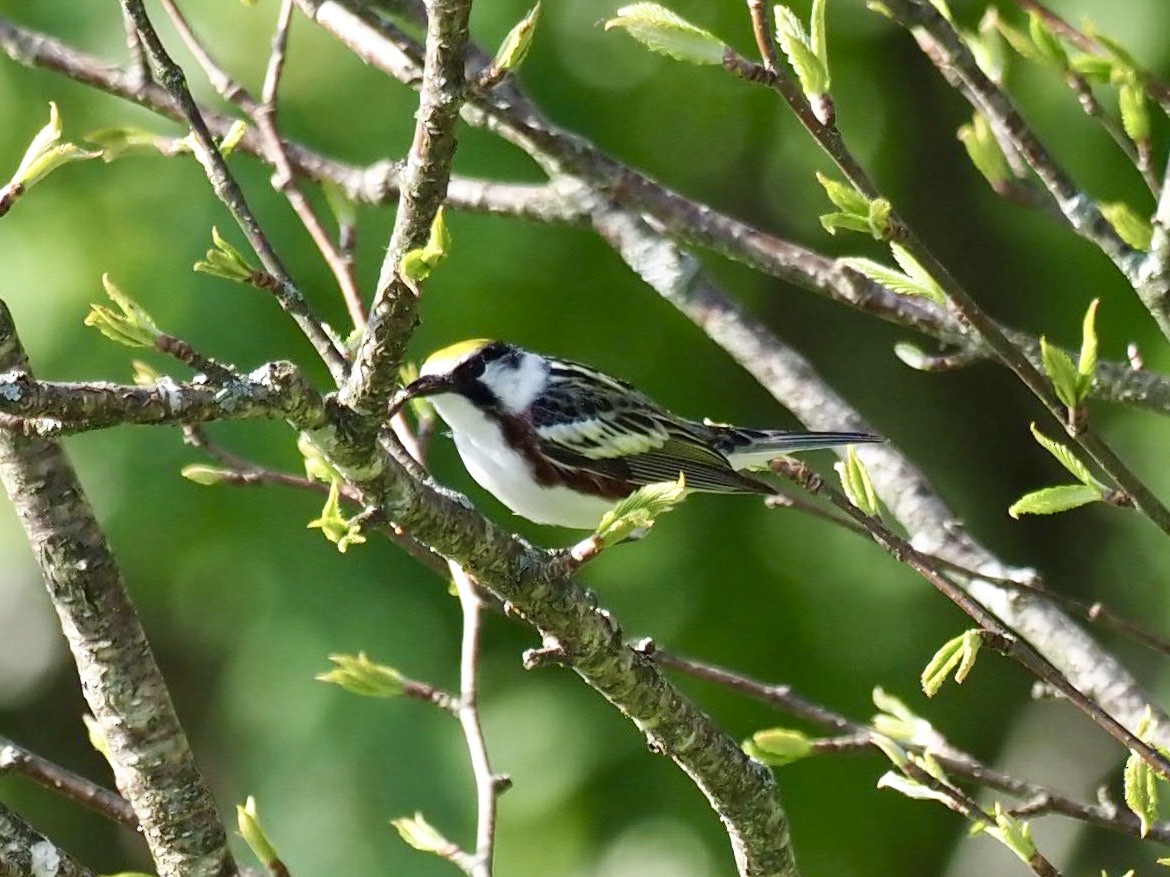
[[421, 835], [893, 279], [1013, 833], [208, 476], [338, 529], [667, 33], [1135, 230], [638, 511], [46, 153], [984, 150], [856, 212], [856, 482], [417, 265], [129, 325], [957, 656], [778, 746], [1135, 113], [357, 674], [898, 722], [224, 260], [1067, 459], [248, 823], [514, 49], [1046, 42], [1059, 367], [811, 68], [1087, 362]]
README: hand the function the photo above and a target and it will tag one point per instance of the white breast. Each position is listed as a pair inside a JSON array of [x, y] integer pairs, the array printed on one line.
[[505, 473]]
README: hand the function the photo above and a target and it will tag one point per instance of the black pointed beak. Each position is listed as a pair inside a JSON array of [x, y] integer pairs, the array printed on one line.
[[426, 385]]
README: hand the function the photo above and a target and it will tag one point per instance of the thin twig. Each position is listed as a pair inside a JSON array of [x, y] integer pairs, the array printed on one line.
[[954, 761], [224, 183], [16, 759], [487, 784], [1008, 641], [264, 115]]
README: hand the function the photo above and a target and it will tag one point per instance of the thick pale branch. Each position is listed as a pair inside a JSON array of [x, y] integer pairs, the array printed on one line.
[[152, 762], [683, 219], [276, 391]]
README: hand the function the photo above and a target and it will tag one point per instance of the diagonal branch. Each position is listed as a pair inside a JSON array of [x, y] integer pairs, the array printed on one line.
[[225, 186], [577, 632], [152, 762]]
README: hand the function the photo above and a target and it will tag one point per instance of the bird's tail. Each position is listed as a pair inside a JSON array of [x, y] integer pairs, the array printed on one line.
[[752, 448]]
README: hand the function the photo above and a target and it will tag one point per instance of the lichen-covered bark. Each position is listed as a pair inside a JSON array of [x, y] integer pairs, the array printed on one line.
[[25, 852], [152, 763]]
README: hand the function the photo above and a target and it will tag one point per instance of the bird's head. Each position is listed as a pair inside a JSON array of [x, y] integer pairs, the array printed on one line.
[[491, 374]]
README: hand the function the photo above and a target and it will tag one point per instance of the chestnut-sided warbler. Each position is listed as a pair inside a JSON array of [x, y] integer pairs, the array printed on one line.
[[559, 442]]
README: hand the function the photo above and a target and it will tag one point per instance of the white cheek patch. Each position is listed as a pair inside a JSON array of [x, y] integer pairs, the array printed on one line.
[[517, 387]]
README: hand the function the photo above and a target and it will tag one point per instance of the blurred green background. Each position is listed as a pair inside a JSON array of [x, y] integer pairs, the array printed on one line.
[[242, 603]]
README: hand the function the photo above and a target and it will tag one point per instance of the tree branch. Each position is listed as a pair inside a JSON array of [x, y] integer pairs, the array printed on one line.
[[152, 762], [276, 390], [422, 189], [25, 852]]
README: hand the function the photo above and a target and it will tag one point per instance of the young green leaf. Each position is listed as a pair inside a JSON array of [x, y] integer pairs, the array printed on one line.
[[248, 822], [798, 48], [417, 265], [984, 150], [129, 325], [1046, 42], [956, 655], [46, 153], [843, 195], [898, 722], [1087, 362], [1013, 833], [856, 482], [208, 476], [667, 33], [421, 835], [1141, 791], [338, 529], [918, 274], [1067, 459], [987, 45], [1135, 230], [818, 37], [638, 511], [1094, 68], [1135, 113], [778, 746], [1051, 500], [224, 260], [357, 674], [893, 280], [1061, 371], [912, 788], [514, 49]]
